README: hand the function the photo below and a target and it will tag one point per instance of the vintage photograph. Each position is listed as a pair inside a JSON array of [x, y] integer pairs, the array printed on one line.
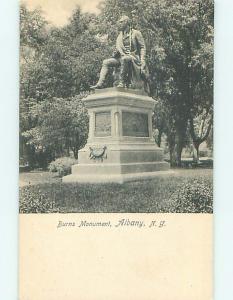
[[116, 106]]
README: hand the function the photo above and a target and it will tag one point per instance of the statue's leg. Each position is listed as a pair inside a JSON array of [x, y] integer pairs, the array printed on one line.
[[107, 64], [125, 69]]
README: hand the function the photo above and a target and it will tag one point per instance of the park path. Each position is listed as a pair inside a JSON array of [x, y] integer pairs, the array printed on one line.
[[37, 177]]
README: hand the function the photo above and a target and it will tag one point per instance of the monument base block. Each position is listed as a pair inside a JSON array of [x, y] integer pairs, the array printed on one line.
[[120, 145], [118, 163], [114, 178]]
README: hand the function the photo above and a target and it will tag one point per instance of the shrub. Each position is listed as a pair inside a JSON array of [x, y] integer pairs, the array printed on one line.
[[62, 165], [32, 200], [193, 197]]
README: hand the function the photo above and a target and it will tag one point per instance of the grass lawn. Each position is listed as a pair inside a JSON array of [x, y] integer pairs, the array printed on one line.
[[37, 177], [185, 191]]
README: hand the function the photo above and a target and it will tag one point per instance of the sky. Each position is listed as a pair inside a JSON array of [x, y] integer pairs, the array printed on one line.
[[58, 12]]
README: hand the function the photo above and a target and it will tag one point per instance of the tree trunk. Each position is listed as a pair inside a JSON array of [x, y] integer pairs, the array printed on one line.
[[197, 140], [171, 145], [176, 141], [75, 151], [196, 152], [172, 157], [159, 138], [179, 149], [180, 140], [68, 151], [175, 155]]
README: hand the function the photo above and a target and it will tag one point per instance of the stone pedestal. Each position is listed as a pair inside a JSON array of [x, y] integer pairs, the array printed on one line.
[[120, 145]]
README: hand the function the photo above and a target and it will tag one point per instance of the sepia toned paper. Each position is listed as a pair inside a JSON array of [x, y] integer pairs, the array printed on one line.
[[95, 263]]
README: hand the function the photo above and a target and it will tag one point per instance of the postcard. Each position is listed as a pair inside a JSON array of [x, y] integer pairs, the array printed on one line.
[[116, 150]]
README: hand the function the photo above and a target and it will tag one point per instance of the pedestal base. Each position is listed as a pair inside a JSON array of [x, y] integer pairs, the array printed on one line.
[[90, 178], [120, 163], [120, 144]]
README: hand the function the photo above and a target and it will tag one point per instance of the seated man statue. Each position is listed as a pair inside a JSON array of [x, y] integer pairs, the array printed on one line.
[[129, 58]]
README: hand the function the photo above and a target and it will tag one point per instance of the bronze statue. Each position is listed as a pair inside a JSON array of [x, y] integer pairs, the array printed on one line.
[[129, 59]]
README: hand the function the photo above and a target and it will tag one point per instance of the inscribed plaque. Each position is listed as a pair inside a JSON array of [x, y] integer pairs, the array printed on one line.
[[103, 124], [135, 124]]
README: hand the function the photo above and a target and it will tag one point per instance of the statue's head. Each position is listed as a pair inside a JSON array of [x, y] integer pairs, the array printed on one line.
[[123, 23]]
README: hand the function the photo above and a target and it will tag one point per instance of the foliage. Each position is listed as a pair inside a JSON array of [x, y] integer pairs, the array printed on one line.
[[62, 124], [179, 38], [56, 65], [33, 200], [193, 197], [157, 195], [66, 63], [200, 127], [33, 37], [32, 27], [62, 165]]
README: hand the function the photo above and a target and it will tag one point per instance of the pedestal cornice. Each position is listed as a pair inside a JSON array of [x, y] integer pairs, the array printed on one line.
[[119, 96]]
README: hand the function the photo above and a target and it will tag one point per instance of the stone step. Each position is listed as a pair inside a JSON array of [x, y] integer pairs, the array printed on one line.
[[117, 178], [124, 168]]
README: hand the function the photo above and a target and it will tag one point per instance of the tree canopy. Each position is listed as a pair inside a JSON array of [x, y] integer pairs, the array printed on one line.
[[57, 64]]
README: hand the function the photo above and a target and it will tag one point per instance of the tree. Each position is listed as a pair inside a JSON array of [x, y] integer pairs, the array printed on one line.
[[179, 54], [60, 66], [62, 126], [33, 35], [201, 114], [32, 27], [200, 128]]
